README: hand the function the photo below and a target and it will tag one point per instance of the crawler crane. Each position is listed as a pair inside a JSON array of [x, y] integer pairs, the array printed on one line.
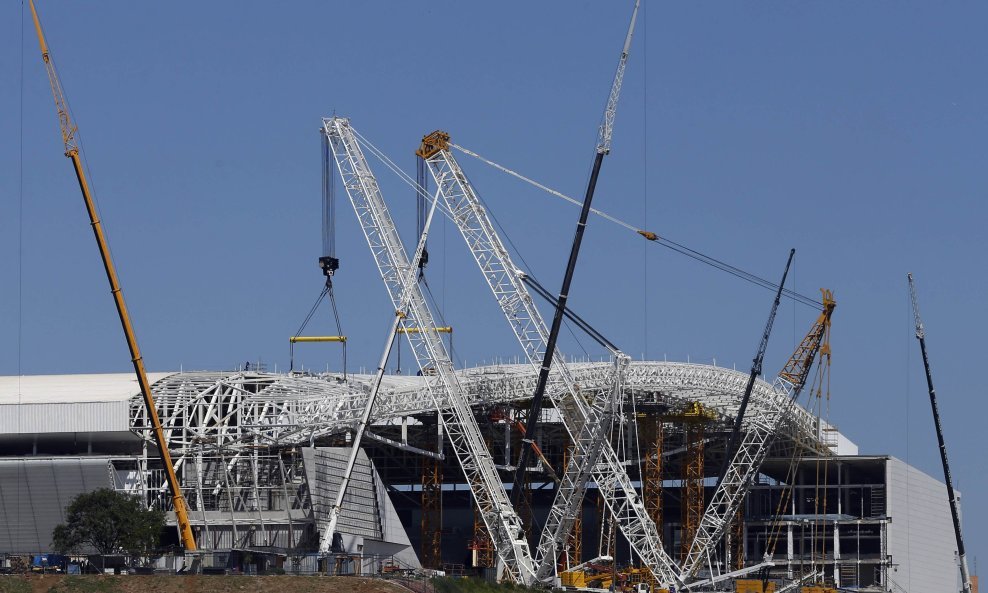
[[585, 421], [69, 129], [465, 437]]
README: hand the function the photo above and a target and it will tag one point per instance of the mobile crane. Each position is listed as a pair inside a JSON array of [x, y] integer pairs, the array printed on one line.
[[762, 426], [954, 512], [69, 129]]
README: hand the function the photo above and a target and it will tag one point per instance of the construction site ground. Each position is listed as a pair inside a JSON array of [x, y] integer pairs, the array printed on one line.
[[193, 584]]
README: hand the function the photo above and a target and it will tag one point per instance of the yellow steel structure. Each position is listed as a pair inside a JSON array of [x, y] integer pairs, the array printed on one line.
[[692, 495], [753, 586], [652, 479], [736, 540], [433, 143], [798, 367], [432, 513], [72, 152], [481, 547], [573, 549], [652, 482], [694, 416]]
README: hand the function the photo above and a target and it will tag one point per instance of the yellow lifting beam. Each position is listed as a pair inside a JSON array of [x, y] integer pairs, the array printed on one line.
[[299, 339], [72, 152]]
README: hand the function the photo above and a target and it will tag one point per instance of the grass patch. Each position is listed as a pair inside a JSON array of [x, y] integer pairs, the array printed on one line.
[[14, 584]]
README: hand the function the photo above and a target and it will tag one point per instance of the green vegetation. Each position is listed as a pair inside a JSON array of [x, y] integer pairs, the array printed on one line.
[[14, 585], [109, 522]]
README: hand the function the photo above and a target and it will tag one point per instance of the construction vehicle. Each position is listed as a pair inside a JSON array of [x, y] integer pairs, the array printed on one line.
[[753, 586], [72, 151]]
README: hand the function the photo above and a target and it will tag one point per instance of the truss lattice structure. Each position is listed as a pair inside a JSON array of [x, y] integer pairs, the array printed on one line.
[[240, 410], [434, 362]]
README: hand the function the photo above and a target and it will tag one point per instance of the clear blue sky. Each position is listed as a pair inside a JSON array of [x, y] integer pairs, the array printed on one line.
[[853, 132]]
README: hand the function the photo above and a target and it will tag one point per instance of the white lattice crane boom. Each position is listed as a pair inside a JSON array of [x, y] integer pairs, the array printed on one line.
[[585, 420], [501, 520]]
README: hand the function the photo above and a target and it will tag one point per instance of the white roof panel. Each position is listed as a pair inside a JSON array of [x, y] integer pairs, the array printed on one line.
[[43, 389]]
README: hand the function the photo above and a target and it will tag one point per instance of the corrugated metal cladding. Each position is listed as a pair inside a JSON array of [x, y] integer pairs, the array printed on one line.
[[324, 468], [921, 533], [34, 494], [109, 416]]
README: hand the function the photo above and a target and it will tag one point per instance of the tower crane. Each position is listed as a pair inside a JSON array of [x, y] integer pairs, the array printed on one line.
[[762, 425], [466, 439], [584, 416], [954, 511], [72, 151]]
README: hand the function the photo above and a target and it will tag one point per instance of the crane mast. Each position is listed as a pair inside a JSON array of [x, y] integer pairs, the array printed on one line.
[[764, 422], [756, 369], [69, 128], [603, 148], [502, 522], [583, 416], [951, 495]]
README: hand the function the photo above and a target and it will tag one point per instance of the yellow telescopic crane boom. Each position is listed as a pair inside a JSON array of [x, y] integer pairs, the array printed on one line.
[[72, 152]]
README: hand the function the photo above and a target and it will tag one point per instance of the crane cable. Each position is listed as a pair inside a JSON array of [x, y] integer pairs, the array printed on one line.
[[655, 238], [328, 262]]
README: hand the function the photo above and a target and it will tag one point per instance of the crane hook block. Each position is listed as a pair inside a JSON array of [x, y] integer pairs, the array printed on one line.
[[433, 143], [329, 265], [649, 235]]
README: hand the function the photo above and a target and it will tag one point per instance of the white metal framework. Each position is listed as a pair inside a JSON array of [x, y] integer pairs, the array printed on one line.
[[466, 439], [585, 419], [240, 410]]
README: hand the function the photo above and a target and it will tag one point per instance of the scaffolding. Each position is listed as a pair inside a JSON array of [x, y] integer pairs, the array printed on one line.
[[432, 512], [573, 548]]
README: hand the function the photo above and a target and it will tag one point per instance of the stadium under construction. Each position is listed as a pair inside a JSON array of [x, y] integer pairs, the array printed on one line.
[[551, 472], [816, 504]]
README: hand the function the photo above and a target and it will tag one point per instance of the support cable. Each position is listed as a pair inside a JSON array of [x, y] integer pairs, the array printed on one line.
[[655, 238], [328, 262], [441, 208], [756, 370], [579, 321], [305, 322]]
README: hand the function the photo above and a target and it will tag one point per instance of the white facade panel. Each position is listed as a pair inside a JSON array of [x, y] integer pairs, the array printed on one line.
[[109, 416], [921, 533], [38, 389]]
